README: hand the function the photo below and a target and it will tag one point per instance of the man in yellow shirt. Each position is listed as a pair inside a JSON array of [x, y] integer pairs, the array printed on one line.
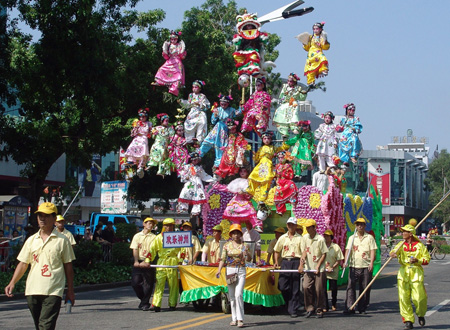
[[332, 261], [190, 255], [166, 257], [270, 250], [287, 255], [143, 276], [211, 248], [59, 224], [360, 258], [314, 252], [50, 255]]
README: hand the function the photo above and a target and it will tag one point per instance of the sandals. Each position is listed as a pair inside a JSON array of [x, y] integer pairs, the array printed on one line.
[[233, 323], [240, 324]]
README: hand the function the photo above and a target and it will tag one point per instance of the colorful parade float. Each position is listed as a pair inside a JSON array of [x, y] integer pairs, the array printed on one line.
[[262, 186]]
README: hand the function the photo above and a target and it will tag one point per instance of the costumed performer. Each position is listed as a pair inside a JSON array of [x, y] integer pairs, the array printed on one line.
[[233, 154], [171, 73], [412, 255], [158, 152], [178, 152], [316, 64], [166, 257], [350, 146], [257, 109], [195, 125], [326, 147], [137, 152], [240, 208], [262, 175], [218, 136], [287, 114], [285, 189], [193, 192], [303, 149]]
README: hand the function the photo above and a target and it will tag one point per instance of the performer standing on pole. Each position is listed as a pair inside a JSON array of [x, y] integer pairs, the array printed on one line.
[[412, 255]]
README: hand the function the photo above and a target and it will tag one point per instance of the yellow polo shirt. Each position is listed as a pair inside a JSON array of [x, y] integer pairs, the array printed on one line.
[[69, 235], [142, 243], [212, 249], [47, 259], [289, 247], [315, 248], [190, 252], [360, 256], [334, 254]]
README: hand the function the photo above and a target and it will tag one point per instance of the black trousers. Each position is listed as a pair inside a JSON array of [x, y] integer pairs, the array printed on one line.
[[143, 282], [333, 288], [289, 285], [44, 310], [362, 277]]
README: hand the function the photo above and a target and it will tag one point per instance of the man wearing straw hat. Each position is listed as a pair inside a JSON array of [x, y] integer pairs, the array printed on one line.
[[360, 258], [143, 276], [166, 257], [287, 255], [412, 255]]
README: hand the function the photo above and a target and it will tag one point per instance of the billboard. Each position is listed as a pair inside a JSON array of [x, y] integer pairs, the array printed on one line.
[[380, 177], [113, 197]]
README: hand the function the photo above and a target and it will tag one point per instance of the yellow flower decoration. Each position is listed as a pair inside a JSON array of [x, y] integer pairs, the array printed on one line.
[[214, 201], [226, 229], [314, 201]]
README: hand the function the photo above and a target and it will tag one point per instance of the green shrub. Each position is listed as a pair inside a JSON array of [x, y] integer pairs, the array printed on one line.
[[125, 231], [87, 253], [102, 273], [5, 278], [122, 254]]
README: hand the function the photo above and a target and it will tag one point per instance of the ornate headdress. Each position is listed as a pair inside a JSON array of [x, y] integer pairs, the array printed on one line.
[[162, 116], [194, 155], [261, 79], [328, 113], [294, 76], [349, 106], [225, 98], [143, 112], [199, 83], [175, 34], [304, 123], [179, 124], [230, 122], [267, 133], [319, 25]]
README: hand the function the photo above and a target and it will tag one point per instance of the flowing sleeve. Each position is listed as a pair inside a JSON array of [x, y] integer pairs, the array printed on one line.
[[204, 103], [267, 100], [283, 95], [204, 176], [358, 126], [423, 256], [318, 132]]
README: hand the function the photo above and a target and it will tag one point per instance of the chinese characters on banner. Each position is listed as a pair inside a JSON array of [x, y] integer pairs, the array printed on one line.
[[177, 239], [380, 177]]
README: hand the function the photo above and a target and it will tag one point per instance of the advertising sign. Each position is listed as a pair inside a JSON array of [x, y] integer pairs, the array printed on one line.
[[380, 177], [113, 197]]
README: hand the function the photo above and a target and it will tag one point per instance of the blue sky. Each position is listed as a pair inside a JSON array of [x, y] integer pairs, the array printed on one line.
[[387, 57]]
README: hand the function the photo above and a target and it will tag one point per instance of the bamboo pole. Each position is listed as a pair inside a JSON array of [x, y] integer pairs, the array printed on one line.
[[390, 258]]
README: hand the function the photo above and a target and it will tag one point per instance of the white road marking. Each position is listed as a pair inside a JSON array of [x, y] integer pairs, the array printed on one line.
[[437, 307]]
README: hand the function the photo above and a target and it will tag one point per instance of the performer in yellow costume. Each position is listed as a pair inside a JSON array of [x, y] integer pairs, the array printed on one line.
[[316, 64], [167, 257], [412, 255], [262, 175]]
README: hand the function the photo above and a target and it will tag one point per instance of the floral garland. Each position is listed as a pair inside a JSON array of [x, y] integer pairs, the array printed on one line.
[[332, 210], [308, 206], [218, 197]]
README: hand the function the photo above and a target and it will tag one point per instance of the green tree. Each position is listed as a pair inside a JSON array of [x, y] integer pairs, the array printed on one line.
[[78, 83], [438, 173]]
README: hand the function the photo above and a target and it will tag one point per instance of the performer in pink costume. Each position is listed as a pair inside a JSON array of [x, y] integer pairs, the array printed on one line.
[[138, 151], [178, 153], [240, 209], [257, 109], [171, 73]]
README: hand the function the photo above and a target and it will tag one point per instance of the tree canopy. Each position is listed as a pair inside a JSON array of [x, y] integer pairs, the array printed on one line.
[[438, 177]]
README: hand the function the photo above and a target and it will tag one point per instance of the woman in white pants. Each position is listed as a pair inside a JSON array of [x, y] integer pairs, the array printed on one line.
[[235, 254]]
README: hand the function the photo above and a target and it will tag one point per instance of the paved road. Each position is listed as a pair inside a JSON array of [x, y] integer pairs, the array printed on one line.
[[116, 308]]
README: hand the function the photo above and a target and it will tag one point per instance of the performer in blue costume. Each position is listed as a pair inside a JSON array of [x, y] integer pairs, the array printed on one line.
[[218, 136], [350, 146]]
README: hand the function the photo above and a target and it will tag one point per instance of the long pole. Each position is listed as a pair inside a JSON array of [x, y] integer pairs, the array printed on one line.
[[73, 200], [390, 258]]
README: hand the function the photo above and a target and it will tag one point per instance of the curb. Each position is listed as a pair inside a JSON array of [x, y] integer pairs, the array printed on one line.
[[78, 289]]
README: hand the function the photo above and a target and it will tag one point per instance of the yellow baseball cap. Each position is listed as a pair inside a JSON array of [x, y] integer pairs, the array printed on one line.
[[47, 208], [59, 217], [169, 221], [235, 226], [328, 232], [150, 219], [187, 223], [309, 223], [409, 228], [280, 230], [360, 220], [218, 228]]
